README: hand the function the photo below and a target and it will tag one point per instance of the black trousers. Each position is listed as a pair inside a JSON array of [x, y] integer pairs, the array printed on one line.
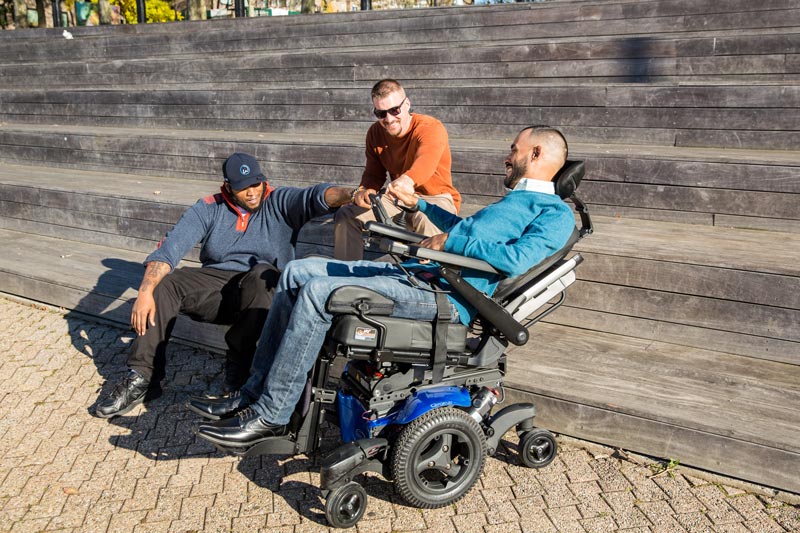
[[241, 299]]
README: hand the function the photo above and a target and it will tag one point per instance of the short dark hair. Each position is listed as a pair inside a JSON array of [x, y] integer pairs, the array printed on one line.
[[385, 87], [543, 129]]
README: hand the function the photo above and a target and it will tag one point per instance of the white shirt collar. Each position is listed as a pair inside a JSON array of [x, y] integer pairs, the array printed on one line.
[[525, 184]]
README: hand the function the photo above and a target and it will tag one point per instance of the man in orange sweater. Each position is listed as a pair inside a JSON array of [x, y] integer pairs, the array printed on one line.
[[413, 151]]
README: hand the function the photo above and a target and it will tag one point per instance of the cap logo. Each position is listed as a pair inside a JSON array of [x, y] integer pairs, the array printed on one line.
[[244, 170]]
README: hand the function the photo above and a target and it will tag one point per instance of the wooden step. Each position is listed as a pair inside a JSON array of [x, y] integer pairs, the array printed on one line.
[[734, 291], [467, 25], [717, 411], [670, 58], [710, 53], [755, 116], [94, 280], [725, 187]]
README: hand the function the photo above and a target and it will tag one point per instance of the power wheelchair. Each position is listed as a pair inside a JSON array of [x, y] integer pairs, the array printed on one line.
[[415, 400]]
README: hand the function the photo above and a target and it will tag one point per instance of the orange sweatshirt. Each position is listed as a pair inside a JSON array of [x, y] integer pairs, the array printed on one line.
[[423, 154]]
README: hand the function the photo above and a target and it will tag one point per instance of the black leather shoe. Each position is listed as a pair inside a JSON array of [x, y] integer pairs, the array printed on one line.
[[216, 408], [126, 395], [250, 430]]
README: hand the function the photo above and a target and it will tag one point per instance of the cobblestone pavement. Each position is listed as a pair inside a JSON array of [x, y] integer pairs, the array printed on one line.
[[64, 470]]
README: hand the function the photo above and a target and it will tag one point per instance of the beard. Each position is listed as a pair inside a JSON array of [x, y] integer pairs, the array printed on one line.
[[246, 207], [518, 169]]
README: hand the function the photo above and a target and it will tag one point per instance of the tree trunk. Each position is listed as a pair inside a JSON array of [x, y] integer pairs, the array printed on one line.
[[197, 9], [20, 14], [104, 10]]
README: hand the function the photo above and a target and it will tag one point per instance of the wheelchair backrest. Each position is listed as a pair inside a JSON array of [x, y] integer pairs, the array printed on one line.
[[566, 182], [509, 288]]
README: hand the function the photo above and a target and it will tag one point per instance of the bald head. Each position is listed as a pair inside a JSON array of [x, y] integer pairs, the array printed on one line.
[[538, 153]]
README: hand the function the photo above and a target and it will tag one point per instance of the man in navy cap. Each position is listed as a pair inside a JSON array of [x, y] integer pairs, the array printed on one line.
[[247, 231]]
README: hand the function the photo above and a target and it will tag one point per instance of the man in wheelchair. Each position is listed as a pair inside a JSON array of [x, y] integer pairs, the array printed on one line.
[[507, 238]]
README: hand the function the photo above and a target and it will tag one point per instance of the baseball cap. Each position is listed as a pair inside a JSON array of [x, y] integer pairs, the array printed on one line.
[[241, 171]]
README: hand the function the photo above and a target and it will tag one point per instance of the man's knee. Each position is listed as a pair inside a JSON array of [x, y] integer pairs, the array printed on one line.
[[351, 215], [261, 276], [257, 287], [344, 214], [421, 224], [299, 271], [317, 290]]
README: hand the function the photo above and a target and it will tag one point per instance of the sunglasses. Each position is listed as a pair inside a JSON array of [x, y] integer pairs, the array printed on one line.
[[394, 111]]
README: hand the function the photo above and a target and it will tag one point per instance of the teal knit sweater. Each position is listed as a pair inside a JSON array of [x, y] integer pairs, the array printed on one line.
[[512, 235]]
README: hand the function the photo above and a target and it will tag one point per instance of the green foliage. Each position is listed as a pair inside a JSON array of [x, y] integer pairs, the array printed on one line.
[[156, 11], [665, 468]]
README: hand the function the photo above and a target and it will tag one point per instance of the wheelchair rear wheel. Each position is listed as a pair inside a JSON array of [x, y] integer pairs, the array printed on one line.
[[438, 457], [345, 506]]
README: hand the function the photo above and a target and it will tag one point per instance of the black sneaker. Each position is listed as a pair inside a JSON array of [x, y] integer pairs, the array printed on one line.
[[126, 395]]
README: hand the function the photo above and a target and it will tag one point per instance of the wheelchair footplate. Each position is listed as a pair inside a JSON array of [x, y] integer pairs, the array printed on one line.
[[286, 445]]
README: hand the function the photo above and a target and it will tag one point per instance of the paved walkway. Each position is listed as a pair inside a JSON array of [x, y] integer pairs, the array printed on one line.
[[64, 470]]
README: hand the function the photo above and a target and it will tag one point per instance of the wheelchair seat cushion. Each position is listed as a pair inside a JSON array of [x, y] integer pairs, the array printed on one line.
[[402, 335]]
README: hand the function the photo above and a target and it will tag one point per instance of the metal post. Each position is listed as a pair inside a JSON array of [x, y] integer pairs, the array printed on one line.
[[56, 13], [141, 12], [239, 8]]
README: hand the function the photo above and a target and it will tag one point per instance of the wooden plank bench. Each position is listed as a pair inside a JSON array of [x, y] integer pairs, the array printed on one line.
[[741, 188]]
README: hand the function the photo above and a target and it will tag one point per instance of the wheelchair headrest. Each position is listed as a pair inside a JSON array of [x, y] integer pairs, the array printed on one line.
[[568, 178]]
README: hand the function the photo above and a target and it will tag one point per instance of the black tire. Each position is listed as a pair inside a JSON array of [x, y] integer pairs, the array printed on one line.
[[438, 457], [537, 448], [345, 506]]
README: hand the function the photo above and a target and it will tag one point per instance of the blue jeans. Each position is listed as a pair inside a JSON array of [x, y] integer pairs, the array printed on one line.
[[297, 323]]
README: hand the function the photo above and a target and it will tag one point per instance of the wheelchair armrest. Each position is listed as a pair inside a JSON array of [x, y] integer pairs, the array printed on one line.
[[447, 258], [352, 300], [390, 245], [393, 232], [488, 308]]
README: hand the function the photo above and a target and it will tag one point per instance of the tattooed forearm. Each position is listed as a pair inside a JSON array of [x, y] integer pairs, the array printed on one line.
[[153, 274], [337, 196]]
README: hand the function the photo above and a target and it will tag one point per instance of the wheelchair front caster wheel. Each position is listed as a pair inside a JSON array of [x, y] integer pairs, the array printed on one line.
[[538, 448], [345, 505]]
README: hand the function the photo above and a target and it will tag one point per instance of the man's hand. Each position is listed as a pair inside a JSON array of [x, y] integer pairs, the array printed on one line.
[[435, 243], [144, 308], [144, 313], [403, 189], [361, 198]]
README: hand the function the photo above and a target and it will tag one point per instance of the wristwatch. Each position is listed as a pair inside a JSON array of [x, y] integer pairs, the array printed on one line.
[[354, 192]]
